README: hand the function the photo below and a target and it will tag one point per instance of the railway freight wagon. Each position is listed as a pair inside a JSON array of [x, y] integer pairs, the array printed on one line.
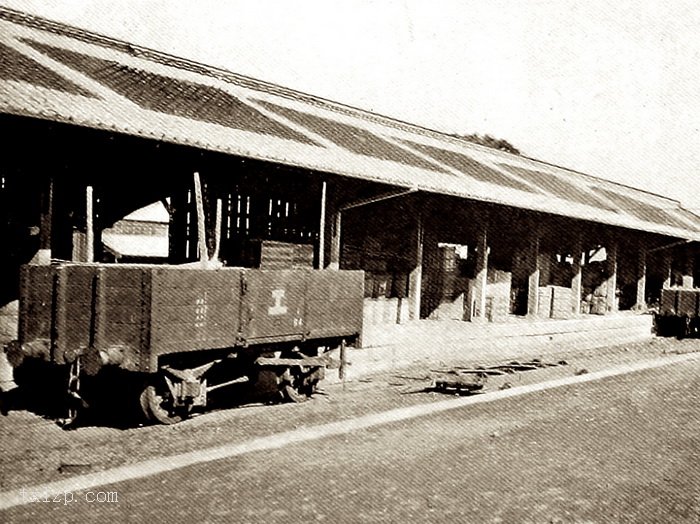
[[679, 312], [175, 334]]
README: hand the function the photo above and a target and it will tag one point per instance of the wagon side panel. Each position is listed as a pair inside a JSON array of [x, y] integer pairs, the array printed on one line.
[[273, 305], [121, 315], [334, 302], [74, 297], [687, 303], [194, 309], [36, 302], [669, 302]]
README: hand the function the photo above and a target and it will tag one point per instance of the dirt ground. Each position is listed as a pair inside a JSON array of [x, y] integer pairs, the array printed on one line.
[[36, 450]]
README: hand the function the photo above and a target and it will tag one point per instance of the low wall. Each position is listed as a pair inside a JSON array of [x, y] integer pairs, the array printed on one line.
[[390, 347]]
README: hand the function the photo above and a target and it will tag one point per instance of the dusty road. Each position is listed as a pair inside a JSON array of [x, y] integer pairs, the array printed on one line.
[[624, 449], [35, 450]]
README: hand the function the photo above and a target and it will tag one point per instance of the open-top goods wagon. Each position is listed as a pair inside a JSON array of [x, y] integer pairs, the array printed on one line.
[[177, 333], [679, 312]]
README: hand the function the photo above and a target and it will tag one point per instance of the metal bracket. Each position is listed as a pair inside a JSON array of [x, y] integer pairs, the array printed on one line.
[[323, 361], [378, 198]]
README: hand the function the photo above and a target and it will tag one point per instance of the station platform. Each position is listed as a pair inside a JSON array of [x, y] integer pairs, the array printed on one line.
[[389, 347]]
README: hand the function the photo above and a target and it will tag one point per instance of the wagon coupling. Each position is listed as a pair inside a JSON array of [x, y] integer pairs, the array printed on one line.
[[187, 386], [74, 401]]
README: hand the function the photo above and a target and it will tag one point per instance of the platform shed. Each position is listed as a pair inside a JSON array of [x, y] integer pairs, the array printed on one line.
[[443, 228]]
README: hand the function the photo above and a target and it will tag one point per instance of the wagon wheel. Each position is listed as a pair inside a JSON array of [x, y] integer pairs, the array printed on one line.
[[294, 386], [157, 404]]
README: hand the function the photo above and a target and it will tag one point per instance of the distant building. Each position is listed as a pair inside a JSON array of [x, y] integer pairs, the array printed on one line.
[[141, 237]]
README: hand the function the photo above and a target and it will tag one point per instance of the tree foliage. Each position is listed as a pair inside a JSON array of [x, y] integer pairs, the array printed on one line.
[[489, 141]]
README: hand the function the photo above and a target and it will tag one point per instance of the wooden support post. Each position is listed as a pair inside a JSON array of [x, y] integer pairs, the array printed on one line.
[[480, 277], [322, 228], [173, 247], [177, 226], [688, 270], [533, 281], [415, 280], [89, 226], [576, 279], [545, 267], [666, 264], [640, 303], [611, 252], [335, 240], [201, 225], [217, 231], [343, 361]]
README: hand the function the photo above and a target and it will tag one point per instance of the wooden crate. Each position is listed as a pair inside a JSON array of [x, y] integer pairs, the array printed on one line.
[[378, 311], [497, 308], [561, 302], [498, 291], [272, 254], [544, 302], [687, 302], [599, 305]]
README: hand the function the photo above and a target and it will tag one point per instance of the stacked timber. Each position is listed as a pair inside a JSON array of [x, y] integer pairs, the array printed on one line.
[[385, 298], [379, 311]]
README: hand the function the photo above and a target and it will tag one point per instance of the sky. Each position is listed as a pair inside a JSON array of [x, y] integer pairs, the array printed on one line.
[[608, 88]]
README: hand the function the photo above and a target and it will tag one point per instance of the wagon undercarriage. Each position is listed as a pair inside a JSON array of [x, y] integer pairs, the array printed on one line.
[[170, 394]]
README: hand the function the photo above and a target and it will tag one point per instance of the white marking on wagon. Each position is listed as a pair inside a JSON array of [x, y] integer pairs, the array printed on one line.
[[200, 312], [277, 309]]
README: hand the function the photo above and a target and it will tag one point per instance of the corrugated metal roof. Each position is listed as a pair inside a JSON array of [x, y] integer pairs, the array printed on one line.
[[56, 72]]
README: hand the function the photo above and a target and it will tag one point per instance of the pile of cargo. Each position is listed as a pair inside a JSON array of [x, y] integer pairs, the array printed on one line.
[[270, 254], [555, 302]]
